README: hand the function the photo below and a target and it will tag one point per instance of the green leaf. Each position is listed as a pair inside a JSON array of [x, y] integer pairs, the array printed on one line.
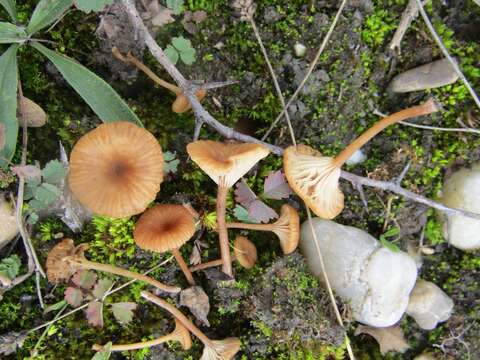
[[171, 163], [32, 218], [47, 12], [101, 287], [92, 5], [389, 245], [103, 100], [10, 6], [242, 214], [54, 172], [171, 53], [188, 56], [10, 33], [10, 266], [181, 44], [392, 232], [36, 205], [105, 353], [55, 307], [168, 156], [8, 102], [123, 311], [176, 6], [47, 193]]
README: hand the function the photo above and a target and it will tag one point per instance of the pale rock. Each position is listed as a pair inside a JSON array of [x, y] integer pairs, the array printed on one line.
[[375, 281], [462, 190], [299, 49], [429, 305], [8, 223], [357, 158], [429, 76]]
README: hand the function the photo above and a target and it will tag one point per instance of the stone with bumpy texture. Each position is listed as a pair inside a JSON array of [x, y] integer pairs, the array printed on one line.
[[8, 223], [375, 281]]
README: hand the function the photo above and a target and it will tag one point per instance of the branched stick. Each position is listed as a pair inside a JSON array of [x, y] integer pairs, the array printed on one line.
[[442, 47], [410, 13]]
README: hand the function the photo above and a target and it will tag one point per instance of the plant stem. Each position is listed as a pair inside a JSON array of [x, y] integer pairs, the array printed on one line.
[[177, 314], [90, 265], [222, 229], [208, 264], [140, 345], [183, 266], [424, 109], [259, 227]]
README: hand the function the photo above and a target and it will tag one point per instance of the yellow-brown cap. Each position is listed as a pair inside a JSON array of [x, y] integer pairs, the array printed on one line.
[[314, 178], [183, 335], [116, 169], [164, 227], [245, 252], [181, 103], [228, 161]]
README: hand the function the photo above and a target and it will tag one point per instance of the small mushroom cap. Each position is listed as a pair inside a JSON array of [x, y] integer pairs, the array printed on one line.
[[183, 335], [226, 160], [225, 349], [59, 270], [314, 178], [164, 228], [245, 252], [181, 103], [287, 228], [116, 169]]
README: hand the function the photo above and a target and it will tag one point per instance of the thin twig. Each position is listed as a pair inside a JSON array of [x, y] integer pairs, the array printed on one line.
[[310, 69], [445, 52], [409, 14], [39, 290]]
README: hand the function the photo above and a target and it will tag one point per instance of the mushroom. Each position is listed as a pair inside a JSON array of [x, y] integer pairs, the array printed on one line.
[[214, 349], [225, 163], [181, 103], [287, 228], [180, 334], [116, 169], [65, 259], [315, 177], [244, 251], [166, 227]]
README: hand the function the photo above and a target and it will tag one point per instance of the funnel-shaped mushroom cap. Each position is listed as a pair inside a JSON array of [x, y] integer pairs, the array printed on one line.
[[116, 169], [58, 269], [226, 160], [181, 103], [287, 228], [225, 349], [245, 252], [164, 228], [314, 178], [183, 335]]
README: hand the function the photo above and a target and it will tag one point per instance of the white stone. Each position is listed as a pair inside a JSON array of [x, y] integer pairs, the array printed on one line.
[[462, 190], [375, 281], [429, 305], [8, 223], [299, 49], [356, 158]]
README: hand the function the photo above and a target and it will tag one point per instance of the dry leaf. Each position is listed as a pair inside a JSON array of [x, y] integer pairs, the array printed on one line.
[[195, 256], [243, 194], [84, 279], [10, 342], [73, 296], [29, 172], [276, 186], [94, 313], [32, 113], [123, 311], [198, 16], [389, 339], [197, 301], [261, 212], [101, 287]]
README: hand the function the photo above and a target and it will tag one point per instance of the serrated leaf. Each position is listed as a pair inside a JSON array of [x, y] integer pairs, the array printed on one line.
[[8, 103], [389, 339], [11, 8], [123, 311], [29, 172], [171, 53], [168, 156], [10, 33], [55, 307], [188, 56], [105, 353], [261, 212], [162, 17], [176, 6], [243, 194], [47, 12], [276, 186], [99, 95], [10, 266], [73, 296], [101, 287], [84, 279], [181, 44], [46, 193], [36, 205], [389, 245], [171, 166], [92, 5], [242, 214], [54, 172], [94, 313]]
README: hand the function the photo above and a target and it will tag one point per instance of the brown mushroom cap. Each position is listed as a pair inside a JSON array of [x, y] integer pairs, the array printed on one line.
[[181, 103], [287, 228], [164, 228], [116, 169], [226, 160], [314, 178], [59, 270], [245, 252]]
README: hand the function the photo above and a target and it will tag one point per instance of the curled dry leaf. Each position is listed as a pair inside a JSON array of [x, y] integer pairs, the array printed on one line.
[[10, 342], [197, 301], [276, 186], [389, 338]]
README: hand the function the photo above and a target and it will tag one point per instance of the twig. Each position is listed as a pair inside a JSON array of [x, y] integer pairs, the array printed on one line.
[[409, 14], [310, 69], [442, 47], [39, 290]]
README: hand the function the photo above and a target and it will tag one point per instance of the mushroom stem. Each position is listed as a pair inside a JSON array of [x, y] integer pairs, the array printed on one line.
[[90, 265], [206, 265], [179, 316], [222, 229], [183, 265], [424, 109], [140, 345], [259, 227]]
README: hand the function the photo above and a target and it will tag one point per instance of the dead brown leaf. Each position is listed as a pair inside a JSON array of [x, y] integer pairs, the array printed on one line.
[[197, 301], [389, 339], [32, 113]]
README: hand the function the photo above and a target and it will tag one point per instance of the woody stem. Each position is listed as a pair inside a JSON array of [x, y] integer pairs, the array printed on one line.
[[139, 345], [222, 229], [424, 109], [183, 266]]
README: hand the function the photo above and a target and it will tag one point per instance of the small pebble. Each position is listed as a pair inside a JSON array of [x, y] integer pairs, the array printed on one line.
[[356, 158], [300, 50]]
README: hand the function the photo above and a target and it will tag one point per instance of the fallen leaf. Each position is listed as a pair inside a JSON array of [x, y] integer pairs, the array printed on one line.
[[260, 212], [197, 301], [195, 257], [29, 172], [94, 313], [32, 113], [73, 296], [101, 287], [10, 342], [243, 194], [389, 338], [199, 16], [162, 17], [84, 279], [242, 214], [54, 307], [123, 311], [276, 186]]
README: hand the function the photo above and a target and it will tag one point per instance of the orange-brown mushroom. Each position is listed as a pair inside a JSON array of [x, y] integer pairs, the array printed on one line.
[[225, 163], [180, 334], [166, 227], [65, 259], [315, 178], [287, 228], [116, 169]]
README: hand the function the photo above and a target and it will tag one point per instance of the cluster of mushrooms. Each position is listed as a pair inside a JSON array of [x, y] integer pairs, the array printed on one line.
[[116, 171]]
